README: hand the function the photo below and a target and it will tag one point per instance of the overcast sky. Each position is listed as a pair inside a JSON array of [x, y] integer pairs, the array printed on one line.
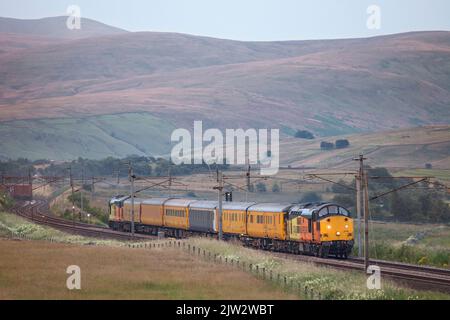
[[248, 19]]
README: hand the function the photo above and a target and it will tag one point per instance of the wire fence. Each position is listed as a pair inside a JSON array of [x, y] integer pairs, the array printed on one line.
[[288, 284]]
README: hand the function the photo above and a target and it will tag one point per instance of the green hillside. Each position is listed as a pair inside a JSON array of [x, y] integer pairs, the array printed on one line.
[[93, 137]]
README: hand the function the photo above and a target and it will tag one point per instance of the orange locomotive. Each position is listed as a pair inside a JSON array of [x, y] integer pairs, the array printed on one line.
[[320, 229]]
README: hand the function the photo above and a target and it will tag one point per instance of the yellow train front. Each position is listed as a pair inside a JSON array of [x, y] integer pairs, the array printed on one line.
[[322, 229]]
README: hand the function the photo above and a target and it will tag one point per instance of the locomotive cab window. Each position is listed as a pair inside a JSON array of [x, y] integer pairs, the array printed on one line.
[[343, 211], [323, 212]]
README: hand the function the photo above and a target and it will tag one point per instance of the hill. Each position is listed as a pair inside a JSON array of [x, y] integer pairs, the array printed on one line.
[[55, 27], [403, 148], [328, 87]]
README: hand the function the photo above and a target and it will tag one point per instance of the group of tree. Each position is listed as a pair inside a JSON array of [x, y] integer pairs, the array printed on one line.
[[304, 134], [142, 166], [310, 196], [99, 213], [338, 144], [418, 203]]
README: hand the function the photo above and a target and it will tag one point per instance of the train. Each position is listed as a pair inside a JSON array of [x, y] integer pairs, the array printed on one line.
[[322, 229]]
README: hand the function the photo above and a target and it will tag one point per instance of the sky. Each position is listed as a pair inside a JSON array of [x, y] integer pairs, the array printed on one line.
[[256, 20]]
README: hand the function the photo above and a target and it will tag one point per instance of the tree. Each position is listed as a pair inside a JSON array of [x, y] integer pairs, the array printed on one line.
[[310, 196], [340, 188], [191, 194], [344, 200], [342, 143], [6, 202], [275, 187], [324, 145], [261, 187], [304, 134]]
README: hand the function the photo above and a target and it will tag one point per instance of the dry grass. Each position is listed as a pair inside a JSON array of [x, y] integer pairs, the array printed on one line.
[[36, 270]]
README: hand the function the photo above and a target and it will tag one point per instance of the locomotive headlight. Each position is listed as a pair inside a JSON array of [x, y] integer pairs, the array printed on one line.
[[346, 226], [328, 226], [338, 233]]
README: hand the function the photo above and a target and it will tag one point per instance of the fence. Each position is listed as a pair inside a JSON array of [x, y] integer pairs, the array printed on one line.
[[260, 272]]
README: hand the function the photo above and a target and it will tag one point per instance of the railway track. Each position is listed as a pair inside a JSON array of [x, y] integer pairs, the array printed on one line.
[[420, 277], [37, 211]]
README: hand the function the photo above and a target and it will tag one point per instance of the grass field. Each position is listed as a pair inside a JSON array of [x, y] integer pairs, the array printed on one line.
[[12, 224], [37, 270]]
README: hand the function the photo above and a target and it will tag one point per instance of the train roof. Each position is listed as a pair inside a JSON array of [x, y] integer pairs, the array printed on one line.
[[204, 204], [307, 209], [179, 202], [118, 199], [237, 205], [270, 207], [155, 201], [136, 200]]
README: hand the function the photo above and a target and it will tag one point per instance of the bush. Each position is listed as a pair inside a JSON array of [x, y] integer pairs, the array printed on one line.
[[275, 187], [310, 196], [261, 187], [6, 202], [191, 194], [342, 143], [346, 201], [340, 188], [304, 134], [324, 145]]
